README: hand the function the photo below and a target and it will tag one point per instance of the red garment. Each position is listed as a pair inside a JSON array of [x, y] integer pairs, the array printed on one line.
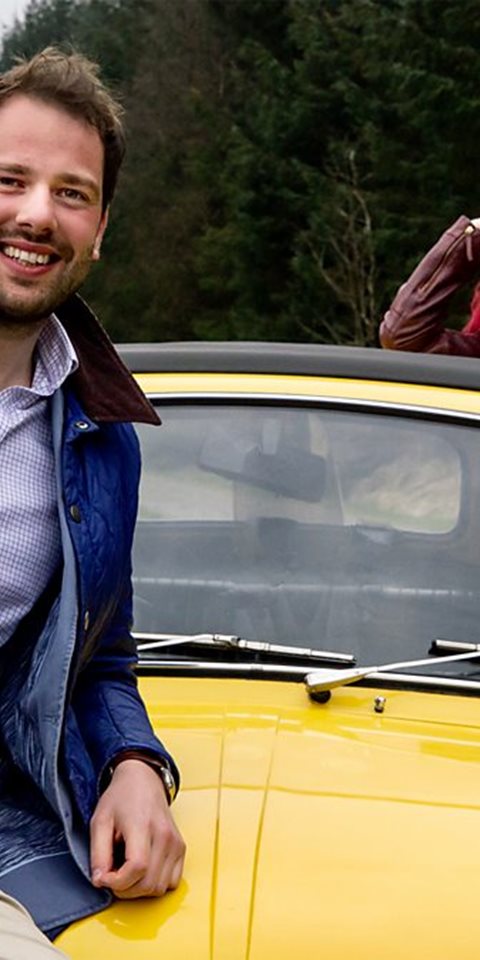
[[416, 318], [474, 319]]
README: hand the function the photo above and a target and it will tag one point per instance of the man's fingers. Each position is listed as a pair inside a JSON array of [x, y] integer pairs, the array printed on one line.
[[164, 873], [171, 867], [177, 871], [136, 865], [122, 882], [138, 878], [101, 847]]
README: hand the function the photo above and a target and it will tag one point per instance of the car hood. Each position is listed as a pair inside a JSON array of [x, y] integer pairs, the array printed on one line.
[[310, 828]]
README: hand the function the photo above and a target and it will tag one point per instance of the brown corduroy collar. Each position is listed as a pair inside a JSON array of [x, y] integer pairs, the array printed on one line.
[[103, 384]]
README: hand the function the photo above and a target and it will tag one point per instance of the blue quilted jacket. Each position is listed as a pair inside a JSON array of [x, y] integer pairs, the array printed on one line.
[[68, 694]]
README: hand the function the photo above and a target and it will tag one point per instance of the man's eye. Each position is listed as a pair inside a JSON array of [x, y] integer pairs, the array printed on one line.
[[71, 194], [9, 182]]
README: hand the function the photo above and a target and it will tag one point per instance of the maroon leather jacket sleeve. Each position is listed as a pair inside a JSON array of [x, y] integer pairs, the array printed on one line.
[[415, 320]]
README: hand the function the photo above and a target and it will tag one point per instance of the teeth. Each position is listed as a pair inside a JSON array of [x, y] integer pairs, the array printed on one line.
[[27, 257]]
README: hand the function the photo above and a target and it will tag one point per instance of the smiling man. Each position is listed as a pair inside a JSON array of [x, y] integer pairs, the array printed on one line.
[[85, 786]]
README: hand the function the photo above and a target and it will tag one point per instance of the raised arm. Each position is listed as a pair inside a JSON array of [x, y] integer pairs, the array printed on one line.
[[417, 317]]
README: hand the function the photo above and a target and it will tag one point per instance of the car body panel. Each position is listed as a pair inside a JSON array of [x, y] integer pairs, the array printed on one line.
[[461, 401], [283, 799], [349, 828]]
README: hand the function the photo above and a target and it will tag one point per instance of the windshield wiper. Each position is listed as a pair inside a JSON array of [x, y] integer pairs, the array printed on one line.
[[148, 643], [322, 681], [440, 647]]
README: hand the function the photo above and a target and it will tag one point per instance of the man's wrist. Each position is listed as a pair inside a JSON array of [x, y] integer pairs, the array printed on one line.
[[160, 765]]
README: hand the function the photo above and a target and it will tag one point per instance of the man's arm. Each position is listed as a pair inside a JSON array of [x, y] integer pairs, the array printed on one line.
[[416, 318], [136, 849]]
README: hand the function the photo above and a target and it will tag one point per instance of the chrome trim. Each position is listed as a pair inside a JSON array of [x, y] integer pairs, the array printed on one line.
[[263, 589], [242, 669], [283, 670], [424, 681], [319, 399]]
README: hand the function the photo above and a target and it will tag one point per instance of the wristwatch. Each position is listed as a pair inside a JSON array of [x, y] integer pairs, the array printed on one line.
[[161, 766]]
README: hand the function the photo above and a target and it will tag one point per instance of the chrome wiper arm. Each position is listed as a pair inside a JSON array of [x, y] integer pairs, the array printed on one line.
[[441, 647], [156, 642], [325, 680]]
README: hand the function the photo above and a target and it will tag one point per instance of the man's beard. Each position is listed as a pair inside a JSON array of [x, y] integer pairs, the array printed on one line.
[[24, 311]]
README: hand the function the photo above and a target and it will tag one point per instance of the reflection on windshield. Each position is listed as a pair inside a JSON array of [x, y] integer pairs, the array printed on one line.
[[299, 525]]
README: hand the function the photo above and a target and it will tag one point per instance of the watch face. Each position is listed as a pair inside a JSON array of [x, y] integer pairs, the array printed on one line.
[[168, 782]]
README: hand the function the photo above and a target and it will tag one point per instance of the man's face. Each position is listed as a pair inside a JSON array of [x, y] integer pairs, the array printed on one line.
[[51, 223]]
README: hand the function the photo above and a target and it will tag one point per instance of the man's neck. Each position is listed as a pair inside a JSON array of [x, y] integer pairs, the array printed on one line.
[[17, 346]]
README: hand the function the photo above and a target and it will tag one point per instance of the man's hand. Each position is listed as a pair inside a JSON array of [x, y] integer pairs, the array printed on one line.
[[133, 815]]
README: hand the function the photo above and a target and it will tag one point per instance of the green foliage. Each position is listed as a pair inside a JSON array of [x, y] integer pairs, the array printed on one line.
[[105, 30], [289, 160]]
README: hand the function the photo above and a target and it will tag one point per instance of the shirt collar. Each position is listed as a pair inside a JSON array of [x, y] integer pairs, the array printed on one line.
[[55, 358]]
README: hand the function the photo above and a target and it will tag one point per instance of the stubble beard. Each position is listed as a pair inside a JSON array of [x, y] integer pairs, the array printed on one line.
[[20, 314]]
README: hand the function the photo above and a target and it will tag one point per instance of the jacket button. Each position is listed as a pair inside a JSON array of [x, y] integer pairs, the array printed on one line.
[[86, 620], [75, 513], [81, 425]]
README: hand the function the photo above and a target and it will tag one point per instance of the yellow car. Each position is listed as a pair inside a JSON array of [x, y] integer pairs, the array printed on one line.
[[307, 605]]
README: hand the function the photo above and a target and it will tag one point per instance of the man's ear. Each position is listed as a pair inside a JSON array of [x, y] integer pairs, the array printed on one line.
[[97, 246]]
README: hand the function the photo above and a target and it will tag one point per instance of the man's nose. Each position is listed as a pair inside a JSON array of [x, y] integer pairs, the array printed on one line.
[[37, 210]]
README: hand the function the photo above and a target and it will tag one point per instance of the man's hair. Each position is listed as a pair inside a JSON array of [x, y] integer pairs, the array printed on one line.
[[70, 81]]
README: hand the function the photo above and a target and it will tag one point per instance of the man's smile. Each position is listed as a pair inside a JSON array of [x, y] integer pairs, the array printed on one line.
[[24, 257]]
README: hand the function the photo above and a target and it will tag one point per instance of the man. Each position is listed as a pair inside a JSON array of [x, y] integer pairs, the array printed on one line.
[[85, 785]]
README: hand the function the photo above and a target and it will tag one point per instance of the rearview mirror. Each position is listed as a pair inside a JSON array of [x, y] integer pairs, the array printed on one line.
[[286, 469]]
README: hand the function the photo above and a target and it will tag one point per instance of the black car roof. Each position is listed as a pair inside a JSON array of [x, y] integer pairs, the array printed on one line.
[[302, 359]]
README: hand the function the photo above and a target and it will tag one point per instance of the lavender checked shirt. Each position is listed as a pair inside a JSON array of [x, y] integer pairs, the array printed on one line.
[[29, 523]]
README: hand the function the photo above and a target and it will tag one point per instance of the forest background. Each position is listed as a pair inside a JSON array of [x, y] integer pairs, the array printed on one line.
[[289, 161]]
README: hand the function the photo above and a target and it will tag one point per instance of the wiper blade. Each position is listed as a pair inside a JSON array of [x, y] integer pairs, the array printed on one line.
[[157, 642], [323, 681]]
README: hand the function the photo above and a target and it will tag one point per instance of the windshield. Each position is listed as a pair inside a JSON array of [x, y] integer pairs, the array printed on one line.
[[324, 528]]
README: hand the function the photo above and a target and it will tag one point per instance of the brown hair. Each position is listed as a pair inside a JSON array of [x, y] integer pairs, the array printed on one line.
[[73, 83]]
